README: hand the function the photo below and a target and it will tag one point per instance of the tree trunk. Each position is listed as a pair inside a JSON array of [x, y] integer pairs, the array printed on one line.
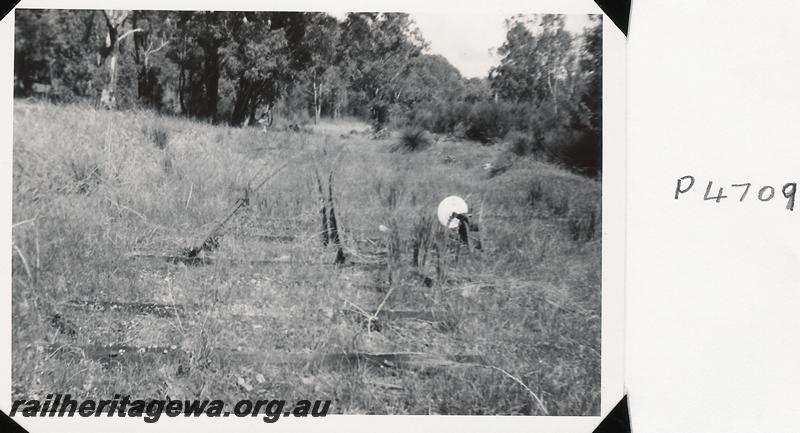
[[270, 114], [239, 110], [316, 91], [252, 116], [140, 58], [110, 52], [181, 87], [318, 112], [241, 104], [142, 87], [107, 53], [146, 82], [211, 78], [553, 91], [111, 88]]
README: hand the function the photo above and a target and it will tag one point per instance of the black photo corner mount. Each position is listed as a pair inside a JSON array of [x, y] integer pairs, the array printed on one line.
[[7, 7], [8, 425], [617, 421], [619, 11]]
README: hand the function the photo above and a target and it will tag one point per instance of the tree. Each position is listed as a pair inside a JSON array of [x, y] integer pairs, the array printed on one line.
[[515, 78], [187, 55], [376, 52], [590, 91], [429, 78], [556, 79], [199, 37], [337, 95], [256, 61], [109, 53], [591, 71], [476, 90], [534, 66], [56, 48], [316, 55], [157, 33], [32, 45]]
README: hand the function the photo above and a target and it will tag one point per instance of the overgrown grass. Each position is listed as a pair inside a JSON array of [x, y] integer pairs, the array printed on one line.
[[91, 186]]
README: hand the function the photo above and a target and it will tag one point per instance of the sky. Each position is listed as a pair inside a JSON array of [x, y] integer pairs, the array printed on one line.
[[468, 41]]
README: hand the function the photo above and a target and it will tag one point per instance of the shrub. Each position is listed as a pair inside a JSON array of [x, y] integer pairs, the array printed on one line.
[[527, 131], [576, 148], [488, 122], [500, 165], [570, 201], [422, 238], [481, 121], [85, 175], [554, 195], [452, 118], [160, 137], [380, 114], [413, 140], [423, 117], [389, 191], [583, 225], [292, 108], [166, 162], [536, 193], [558, 202], [521, 143]]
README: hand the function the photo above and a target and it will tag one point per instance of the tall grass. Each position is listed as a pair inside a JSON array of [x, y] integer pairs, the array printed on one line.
[[90, 187]]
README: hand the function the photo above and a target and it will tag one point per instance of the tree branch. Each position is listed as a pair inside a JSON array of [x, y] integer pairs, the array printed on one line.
[[128, 33], [149, 51]]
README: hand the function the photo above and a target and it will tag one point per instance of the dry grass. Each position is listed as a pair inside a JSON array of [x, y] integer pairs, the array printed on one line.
[[90, 187]]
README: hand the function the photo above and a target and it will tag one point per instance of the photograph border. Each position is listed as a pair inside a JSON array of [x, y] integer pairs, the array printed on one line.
[[613, 229]]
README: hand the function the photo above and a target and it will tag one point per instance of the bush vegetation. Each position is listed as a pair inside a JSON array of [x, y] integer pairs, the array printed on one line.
[[544, 97]]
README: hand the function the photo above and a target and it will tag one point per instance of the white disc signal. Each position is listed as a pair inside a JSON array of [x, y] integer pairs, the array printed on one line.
[[448, 207]]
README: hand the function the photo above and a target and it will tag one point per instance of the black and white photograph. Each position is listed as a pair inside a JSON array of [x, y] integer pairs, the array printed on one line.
[[375, 213]]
